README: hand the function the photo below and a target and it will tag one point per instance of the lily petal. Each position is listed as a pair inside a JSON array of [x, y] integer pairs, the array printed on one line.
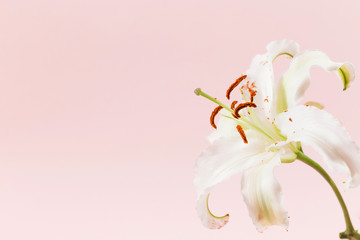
[[208, 219], [296, 79], [261, 73], [225, 127], [319, 129], [224, 158], [277, 48], [315, 104], [263, 196]]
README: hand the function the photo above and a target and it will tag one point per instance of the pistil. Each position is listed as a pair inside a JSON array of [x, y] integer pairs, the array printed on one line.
[[198, 92]]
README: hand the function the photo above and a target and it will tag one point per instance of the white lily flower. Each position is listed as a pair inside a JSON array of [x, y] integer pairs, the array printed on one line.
[[266, 129]]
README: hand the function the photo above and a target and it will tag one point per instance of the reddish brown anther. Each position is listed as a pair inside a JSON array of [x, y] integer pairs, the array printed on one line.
[[243, 105], [252, 95], [234, 85], [213, 115], [235, 116], [242, 133], [233, 104]]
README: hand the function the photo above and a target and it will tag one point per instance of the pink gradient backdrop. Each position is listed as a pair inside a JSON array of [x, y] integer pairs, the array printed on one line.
[[100, 129]]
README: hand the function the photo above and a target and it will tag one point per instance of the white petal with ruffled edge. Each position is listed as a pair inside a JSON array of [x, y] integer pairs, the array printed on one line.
[[261, 73], [319, 129], [296, 79], [224, 158], [263, 196]]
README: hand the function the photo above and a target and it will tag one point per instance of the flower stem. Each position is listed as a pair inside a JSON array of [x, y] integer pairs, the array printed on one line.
[[350, 232]]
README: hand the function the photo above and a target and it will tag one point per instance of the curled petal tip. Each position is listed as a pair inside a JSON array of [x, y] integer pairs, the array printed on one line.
[[208, 219], [217, 223], [347, 74], [296, 79], [281, 47]]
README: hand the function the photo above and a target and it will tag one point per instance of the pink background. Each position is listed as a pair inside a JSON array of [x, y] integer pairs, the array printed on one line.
[[100, 129]]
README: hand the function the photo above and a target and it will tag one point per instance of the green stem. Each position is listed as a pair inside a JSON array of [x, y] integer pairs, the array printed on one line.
[[350, 232]]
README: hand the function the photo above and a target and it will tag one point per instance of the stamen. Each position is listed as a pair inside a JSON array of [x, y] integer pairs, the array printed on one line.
[[233, 104], [250, 88], [252, 95], [234, 85], [213, 114], [243, 105], [242, 133], [235, 116]]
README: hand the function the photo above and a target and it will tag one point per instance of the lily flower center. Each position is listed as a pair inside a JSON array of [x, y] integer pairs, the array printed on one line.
[[244, 115]]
